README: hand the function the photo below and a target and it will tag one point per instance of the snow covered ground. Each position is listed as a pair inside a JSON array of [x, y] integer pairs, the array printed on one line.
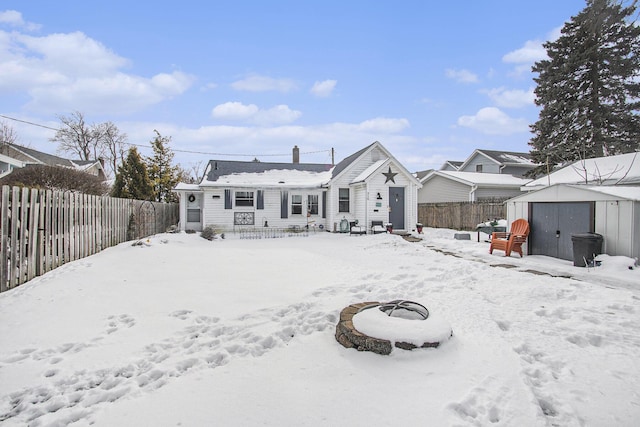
[[238, 332]]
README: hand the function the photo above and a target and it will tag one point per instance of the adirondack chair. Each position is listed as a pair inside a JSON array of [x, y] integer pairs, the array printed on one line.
[[511, 241]]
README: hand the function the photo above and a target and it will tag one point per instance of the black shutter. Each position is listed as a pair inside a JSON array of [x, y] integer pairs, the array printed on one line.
[[324, 204], [284, 204], [227, 199], [260, 200]]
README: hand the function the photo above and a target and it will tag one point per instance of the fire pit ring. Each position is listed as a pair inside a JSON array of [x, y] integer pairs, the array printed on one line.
[[400, 323]]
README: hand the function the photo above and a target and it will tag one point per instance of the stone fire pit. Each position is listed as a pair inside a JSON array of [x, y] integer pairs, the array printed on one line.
[[379, 327]]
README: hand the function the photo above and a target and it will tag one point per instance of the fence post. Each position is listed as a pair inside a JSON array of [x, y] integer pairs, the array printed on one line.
[[4, 238]]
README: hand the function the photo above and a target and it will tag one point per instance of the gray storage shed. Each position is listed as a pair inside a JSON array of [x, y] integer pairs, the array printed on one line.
[[556, 212]]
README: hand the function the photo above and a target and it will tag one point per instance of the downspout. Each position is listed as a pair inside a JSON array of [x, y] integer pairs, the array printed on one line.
[[472, 193]]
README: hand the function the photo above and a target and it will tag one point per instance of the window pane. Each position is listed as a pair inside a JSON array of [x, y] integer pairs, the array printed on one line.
[[312, 203], [244, 198], [296, 204], [193, 215], [343, 200]]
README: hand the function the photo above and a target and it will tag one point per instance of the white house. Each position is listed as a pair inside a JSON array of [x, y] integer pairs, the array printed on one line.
[[453, 186], [14, 156], [368, 186], [485, 174]]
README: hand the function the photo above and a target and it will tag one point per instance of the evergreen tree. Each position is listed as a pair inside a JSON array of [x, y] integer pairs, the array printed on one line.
[[589, 88], [132, 179], [164, 176]]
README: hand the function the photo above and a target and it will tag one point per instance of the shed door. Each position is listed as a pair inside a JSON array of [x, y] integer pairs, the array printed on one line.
[[396, 207], [552, 225]]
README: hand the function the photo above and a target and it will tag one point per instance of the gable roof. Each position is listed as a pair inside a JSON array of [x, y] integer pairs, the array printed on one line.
[[453, 163], [38, 157], [623, 169], [502, 158], [479, 179], [575, 192], [341, 166]]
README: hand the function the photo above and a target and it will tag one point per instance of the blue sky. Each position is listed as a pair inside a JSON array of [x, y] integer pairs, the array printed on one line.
[[432, 81]]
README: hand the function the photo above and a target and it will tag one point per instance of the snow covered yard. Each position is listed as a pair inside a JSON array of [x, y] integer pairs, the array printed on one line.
[[183, 331]]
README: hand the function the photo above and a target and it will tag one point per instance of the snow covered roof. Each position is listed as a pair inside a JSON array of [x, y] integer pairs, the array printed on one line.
[[508, 157], [578, 192], [183, 186], [49, 159], [252, 174], [621, 169], [623, 192], [479, 179]]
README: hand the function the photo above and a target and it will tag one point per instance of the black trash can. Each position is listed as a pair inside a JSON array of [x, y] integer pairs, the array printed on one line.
[[585, 248]]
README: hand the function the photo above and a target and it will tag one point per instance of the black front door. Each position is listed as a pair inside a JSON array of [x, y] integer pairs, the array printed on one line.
[[552, 225]]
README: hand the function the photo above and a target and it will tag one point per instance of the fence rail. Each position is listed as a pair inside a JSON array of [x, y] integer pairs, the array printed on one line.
[[460, 215], [42, 229]]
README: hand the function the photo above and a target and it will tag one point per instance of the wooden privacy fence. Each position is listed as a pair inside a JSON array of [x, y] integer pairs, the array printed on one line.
[[42, 229], [460, 215]]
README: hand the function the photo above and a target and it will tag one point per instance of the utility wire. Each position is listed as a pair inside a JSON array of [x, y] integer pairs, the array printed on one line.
[[177, 150]]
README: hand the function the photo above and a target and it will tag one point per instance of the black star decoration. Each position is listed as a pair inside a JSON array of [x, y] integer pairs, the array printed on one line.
[[390, 176]]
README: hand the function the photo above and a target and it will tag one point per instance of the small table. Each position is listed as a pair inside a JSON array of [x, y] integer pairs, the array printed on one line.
[[489, 229]]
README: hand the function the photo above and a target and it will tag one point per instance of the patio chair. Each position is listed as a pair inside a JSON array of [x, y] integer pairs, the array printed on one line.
[[511, 241]]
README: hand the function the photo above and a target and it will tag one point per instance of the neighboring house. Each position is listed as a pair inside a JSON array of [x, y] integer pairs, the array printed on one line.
[[451, 186], [498, 162], [369, 185], [560, 210], [14, 156], [451, 165], [486, 174], [623, 169]]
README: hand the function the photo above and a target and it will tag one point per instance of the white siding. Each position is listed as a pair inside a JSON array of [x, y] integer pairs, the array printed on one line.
[[488, 166], [491, 193], [439, 189], [216, 215]]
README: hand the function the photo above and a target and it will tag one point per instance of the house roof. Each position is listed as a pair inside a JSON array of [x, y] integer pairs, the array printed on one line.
[[369, 171], [239, 173], [350, 159], [453, 163], [575, 192], [51, 160], [623, 169], [508, 157], [479, 179]]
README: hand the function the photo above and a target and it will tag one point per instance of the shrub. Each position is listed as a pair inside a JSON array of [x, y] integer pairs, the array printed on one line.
[[208, 233]]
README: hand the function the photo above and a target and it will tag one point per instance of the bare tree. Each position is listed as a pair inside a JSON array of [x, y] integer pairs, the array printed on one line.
[[7, 133], [113, 142], [91, 142], [77, 137]]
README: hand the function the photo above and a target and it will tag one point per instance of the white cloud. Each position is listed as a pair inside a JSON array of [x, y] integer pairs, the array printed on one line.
[[74, 72], [14, 18], [234, 111], [383, 125], [514, 98], [120, 93], [256, 83], [493, 121], [461, 76], [278, 115], [530, 53], [324, 88]]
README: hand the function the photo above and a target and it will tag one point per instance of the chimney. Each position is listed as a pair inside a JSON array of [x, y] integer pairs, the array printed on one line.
[[296, 155]]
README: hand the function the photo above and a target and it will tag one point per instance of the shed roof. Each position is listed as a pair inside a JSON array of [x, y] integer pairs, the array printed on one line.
[[479, 179], [622, 169]]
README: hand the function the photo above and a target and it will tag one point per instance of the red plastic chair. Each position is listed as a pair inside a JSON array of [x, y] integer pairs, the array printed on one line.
[[511, 241]]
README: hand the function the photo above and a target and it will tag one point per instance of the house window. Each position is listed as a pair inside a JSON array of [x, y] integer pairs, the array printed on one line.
[[296, 204], [193, 215], [312, 204], [244, 198], [343, 200], [478, 168]]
